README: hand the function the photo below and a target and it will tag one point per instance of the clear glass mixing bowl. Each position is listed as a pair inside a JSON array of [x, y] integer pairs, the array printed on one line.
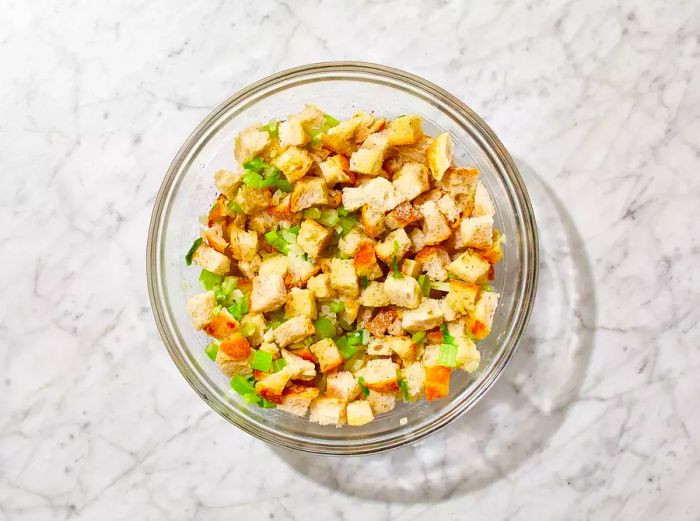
[[339, 88]]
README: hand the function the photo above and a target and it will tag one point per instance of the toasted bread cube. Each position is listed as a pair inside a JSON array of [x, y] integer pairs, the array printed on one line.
[[311, 115], [269, 293], [462, 297], [434, 262], [249, 143], [365, 261], [300, 302], [274, 265], [344, 278], [437, 382], [222, 325], [394, 246], [410, 268], [414, 376], [372, 221], [359, 413], [308, 192], [200, 307], [404, 347], [250, 268], [327, 354], [439, 155], [460, 182], [300, 270], [233, 365], [448, 208], [404, 292], [333, 170], [379, 324], [244, 245], [482, 201], [417, 239], [272, 386], [476, 232], [256, 322], [297, 398], [368, 124], [494, 252], [395, 328], [349, 312], [340, 139], [435, 226], [374, 295], [448, 313], [351, 243], [380, 375], [293, 330], [410, 181], [292, 133], [299, 368], [294, 163], [227, 182], [426, 316], [470, 267], [381, 402], [367, 161], [235, 346], [342, 385], [252, 200], [270, 347], [402, 216], [405, 130], [327, 411], [378, 347], [468, 356], [321, 286], [211, 260], [313, 237], [485, 310], [378, 193]]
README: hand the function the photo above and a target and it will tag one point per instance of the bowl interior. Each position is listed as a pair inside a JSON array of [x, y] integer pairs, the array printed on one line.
[[188, 192]]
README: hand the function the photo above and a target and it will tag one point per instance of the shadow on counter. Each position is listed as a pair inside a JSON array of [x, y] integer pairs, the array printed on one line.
[[518, 416]]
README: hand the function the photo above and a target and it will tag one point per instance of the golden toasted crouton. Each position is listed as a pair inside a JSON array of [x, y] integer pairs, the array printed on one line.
[[300, 270], [327, 411], [380, 375], [222, 325], [297, 398], [310, 116], [435, 226], [417, 239], [460, 182], [227, 182], [334, 169], [414, 376], [250, 268], [344, 278], [410, 181], [274, 265], [342, 385], [379, 324], [381, 402], [269, 293], [468, 356], [211, 260], [485, 309], [402, 216], [462, 297], [368, 159], [365, 261], [437, 382], [200, 307], [292, 133], [270, 347], [359, 413], [410, 267], [293, 330], [340, 139], [321, 286], [476, 232], [351, 243], [298, 367], [300, 302], [372, 221], [494, 252], [448, 207], [405, 130], [244, 244], [313, 237], [272, 386], [403, 291], [308, 192], [294, 163], [394, 246], [252, 200], [233, 365], [439, 155], [426, 316], [235, 346], [374, 295], [249, 143], [470, 267], [349, 312], [327, 354], [368, 125], [434, 262], [482, 201], [256, 323], [404, 347]]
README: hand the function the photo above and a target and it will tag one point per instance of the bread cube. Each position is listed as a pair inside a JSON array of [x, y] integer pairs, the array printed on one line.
[[448, 207], [410, 181], [222, 325], [380, 375], [310, 116], [249, 143], [270, 347], [378, 193], [269, 293], [344, 278], [470, 267], [272, 386], [437, 382], [414, 376], [297, 398], [334, 168], [227, 182], [417, 239], [308, 192], [404, 347], [462, 297], [368, 124], [372, 221], [460, 182], [342, 385], [244, 244], [294, 163], [359, 413], [300, 302], [439, 155], [404, 291], [381, 402], [476, 232], [410, 268], [365, 260], [468, 356], [252, 200], [340, 139], [211, 260], [256, 322], [367, 161], [482, 201], [293, 331], [292, 133], [351, 243], [349, 312], [200, 307], [485, 310], [298, 367], [435, 226], [250, 268], [327, 411], [374, 295], [378, 347], [434, 261], [321, 286], [427, 315], [274, 265], [300, 270], [394, 246], [327, 354], [405, 130], [313, 237], [379, 324], [233, 365], [402, 216]]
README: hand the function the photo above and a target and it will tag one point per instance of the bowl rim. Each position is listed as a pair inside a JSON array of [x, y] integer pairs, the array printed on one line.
[[524, 302]]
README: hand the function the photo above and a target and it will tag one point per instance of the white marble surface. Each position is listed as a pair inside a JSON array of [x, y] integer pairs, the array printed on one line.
[[597, 417]]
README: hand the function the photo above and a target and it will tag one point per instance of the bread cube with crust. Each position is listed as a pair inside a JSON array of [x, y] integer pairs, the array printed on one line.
[[298, 367], [394, 246], [410, 268], [300, 270], [211, 260], [334, 169], [470, 267], [244, 244], [342, 385], [494, 252], [269, 293], [351, 243], [349, 312], [380, 374], [256, 323], [359, 413], [379, 324], [434, 261], [460, 182], [378, 193], [249, 143], [365, 261], [250, 268], [293, 330], [274, 265], [327, 354], [300, 302], [233, 357], [448, 207], [417, 239], [372, 221], [401, 216], [403, 291], [252, 200], [227, 182], [297, 398], [435, 226], [468, 356], [437, 382], [368, 124], [414, 376], [484, 311], [374, 295], [427, 316], [462, 297], [404, 130], [272, 386], [344, 278], [482, 201], [200, 307], [313, 237], [404, 347], [294, 163], [270, 347], [410, 181], [308, 192], [476, 232], [378, 347], [222, 325], [321, 286], [292, 133], [340, 139], [368, 159], [439, 156], [381, 402], [327, 411]]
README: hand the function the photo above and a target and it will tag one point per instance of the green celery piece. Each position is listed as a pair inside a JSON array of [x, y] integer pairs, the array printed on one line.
[[190, 252], [404, 389], [262, 361], [253, 179], [312, 213], [346, 348], [272, 128], [336, 306], [363, 387], [324, 328], [328, 217], [418, 337], [446, 337], [274, 239], [256, 164], [447, 355], [364, 282], [241, 385], [279, 364], [330, 121], [210, 280], [211, 350], [252, 398]]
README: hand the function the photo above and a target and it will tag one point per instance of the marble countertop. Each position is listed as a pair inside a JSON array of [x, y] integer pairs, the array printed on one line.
[[595, 419]]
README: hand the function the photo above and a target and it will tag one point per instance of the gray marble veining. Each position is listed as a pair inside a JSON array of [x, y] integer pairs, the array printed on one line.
[[595, 419]]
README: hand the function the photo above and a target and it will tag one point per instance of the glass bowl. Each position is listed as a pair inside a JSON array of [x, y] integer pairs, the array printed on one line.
[[341, 89]]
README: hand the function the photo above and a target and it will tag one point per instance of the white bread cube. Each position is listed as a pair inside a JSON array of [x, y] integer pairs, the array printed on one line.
[[274, 265], [272, 386], [462, 297], [270, 347], [439, 156], [372, 221], [256, 321], [249, 143], [460, 182], [367, 161], [410, 268], [351, 243], [313, 237], [327, 411], [232, 366], [425, 317], [321, 286], [308, 192], [381, 402], [434, 262], [359, 413], [417, 239], [431, 355], [378, 347], [211, 260], [469, 267], [404, 130], [476, 232], [269, 293], [292, 133], [300, 270], [300, 302], [414, 376], [404, 347], [344, 278], [340, 139], [342, 385], [378, 193], [200, 307], [435, 226], [410, 181], [482, 201], [468, 356], [380, 374], [374, 295], [333, 170], [227, 182], [485, 308], [448, 207], [293, 330], [250, 268], [401, 216], [327, 354], [296, 399], [294, 163], [403, 292], [394, 246], [244, 244], [299, 369]]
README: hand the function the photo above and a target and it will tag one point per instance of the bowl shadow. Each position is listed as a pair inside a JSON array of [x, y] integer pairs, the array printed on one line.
[[519, 414]]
